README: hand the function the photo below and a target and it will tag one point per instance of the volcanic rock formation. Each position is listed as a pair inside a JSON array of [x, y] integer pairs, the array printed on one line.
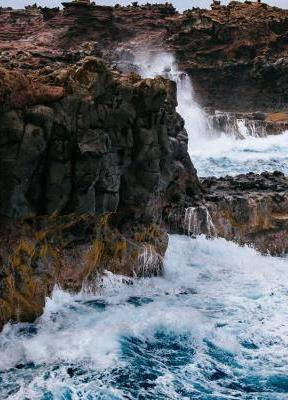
[[100, 155], [250, 209], [94, 163]]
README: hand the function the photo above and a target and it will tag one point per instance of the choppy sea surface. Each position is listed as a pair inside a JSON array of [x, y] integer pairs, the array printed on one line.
[[213, 327]]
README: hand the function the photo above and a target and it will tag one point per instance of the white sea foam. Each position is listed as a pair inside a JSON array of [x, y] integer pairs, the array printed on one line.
[[229, 156], [213, 291]]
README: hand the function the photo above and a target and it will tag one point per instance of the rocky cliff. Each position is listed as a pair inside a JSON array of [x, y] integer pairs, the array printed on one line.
[[250, 209], [236, 55], [89, 160], [94, 163], [241, 46]]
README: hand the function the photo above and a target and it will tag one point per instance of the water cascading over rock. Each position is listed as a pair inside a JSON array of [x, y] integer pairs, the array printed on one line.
[[198, 221]]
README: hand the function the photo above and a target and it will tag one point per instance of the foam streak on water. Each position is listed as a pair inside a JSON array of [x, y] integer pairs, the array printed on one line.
[[213, 327]]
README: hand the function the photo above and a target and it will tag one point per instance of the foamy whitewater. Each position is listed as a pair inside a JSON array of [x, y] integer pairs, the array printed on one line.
[[213, 327]]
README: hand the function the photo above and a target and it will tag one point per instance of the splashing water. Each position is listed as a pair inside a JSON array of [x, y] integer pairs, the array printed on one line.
[[214, 152], [196, 121], [228, 156], [213, 327]]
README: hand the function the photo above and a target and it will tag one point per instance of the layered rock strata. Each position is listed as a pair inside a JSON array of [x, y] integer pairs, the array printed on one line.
[[236, 55]]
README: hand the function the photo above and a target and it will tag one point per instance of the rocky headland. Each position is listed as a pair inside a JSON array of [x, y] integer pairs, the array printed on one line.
[[87, 168], [94, 163]]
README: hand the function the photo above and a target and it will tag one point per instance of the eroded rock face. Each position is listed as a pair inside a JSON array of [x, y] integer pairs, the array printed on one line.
[[72, 251], [94, 163], [112, 142], [256, 124], [248, 208], [109, 148]]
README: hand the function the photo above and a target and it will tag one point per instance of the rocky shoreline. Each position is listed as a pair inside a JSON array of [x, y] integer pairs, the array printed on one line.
[[95, 170]]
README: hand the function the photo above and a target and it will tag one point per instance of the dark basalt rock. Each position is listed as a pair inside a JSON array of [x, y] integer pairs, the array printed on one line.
[[251, 209], [89, 174], [105, 145]]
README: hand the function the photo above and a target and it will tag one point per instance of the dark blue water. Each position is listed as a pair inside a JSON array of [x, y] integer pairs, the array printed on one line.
[[214, 327]]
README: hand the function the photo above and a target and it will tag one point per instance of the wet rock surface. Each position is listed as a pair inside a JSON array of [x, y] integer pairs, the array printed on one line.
[[111, 142], [250, 209], [257, 124]]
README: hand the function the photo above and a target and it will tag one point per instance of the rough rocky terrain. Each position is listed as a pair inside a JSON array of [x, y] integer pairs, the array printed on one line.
[[236, 55], [94, 163], [258, 124]]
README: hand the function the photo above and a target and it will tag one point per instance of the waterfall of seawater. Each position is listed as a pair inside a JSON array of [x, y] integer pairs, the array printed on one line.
[[238, 148], [198, 221], [196, 121], [212, 327]]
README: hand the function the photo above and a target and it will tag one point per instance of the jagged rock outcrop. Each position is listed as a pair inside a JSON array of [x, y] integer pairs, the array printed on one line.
[[111, 141], [250, 209], [257, 124], [105, 147]]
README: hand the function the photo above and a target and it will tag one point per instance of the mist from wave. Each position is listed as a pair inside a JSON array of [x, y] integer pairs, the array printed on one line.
[[214, 152]]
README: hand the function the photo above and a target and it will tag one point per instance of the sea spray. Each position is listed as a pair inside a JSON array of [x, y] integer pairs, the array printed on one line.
[[149, 262], [238, 147], [164, 64], [234, 126]]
